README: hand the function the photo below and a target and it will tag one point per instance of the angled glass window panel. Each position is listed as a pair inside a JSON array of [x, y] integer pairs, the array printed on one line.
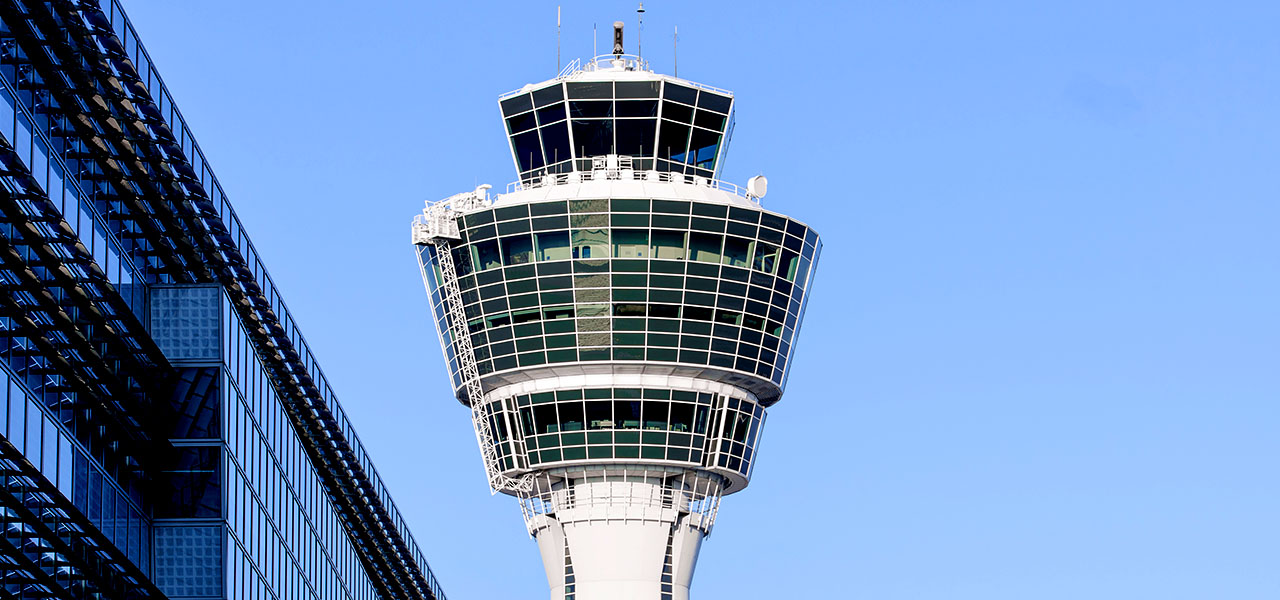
[[626, 414], [766, 258], [714, 102], [703, 145], [590, 243], [555, 143], [673, 141], [521, 122], [737, 251], [656, 414], [486, 255], [593, 137], [680, 93], [636, 136], [590, 89], [591, 109], [553, 245], [637, 89], [517, 250], [547, 95], [637, 108], [528, 150], [571, 416], [709, 120], [705, 247], [677, 112], [668, 244], [599, 414], [630, 243], [516, 104], [551, 114]]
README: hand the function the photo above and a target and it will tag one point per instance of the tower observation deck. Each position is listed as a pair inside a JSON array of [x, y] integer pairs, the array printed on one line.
[[618, 321]]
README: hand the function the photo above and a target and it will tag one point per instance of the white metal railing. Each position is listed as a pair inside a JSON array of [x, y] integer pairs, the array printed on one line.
[[629, 62], [625, 174]]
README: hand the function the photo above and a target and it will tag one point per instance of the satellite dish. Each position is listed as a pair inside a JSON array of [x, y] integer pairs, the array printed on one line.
[[758, 186]]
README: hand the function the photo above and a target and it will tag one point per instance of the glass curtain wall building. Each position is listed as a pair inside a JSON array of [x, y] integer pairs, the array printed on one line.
[[165, 431], [619, 321]]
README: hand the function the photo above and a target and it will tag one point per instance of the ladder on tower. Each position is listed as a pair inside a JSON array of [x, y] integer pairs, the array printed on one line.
[[438, 226]]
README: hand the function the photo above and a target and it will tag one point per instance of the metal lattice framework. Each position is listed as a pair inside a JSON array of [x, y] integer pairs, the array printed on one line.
[[437, 226]]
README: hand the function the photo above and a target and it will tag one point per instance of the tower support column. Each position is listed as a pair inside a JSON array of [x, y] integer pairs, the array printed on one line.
[[620, 540]]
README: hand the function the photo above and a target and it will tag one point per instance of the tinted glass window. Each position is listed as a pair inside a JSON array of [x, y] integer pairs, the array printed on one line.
[[637, 89], [638, 108], [555, 142], [680, 93], [516, 104], [714, 102], [593, 138], [636, 136], [551, 114], [528, 150], [547, 95], [673, 140], [591, 89]]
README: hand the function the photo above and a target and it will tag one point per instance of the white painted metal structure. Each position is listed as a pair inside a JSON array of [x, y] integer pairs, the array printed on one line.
[[612, 528]]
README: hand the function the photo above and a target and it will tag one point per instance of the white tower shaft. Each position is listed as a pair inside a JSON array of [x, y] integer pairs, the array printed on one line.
[[620, 540]]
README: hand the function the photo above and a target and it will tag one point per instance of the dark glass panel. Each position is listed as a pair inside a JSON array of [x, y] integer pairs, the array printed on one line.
[[673, 141], [571, 416], [680, 93], [599, 414], [547, 95], [507, 213], [190, 485], [486, 255], [528, 150], [521, 122], [636, 136], [638, 108], [681, 416], [591, 109], [591, 89], [593, 138], [706, 119], [737, 252], [555, 142], [637, 89], [195, 404], [714, 102], [549, 208], [516, 104], [626, 414], [703, 145], [677, 112], [551, 114]]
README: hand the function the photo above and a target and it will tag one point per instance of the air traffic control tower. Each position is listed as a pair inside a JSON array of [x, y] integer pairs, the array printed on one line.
[[619, 321]]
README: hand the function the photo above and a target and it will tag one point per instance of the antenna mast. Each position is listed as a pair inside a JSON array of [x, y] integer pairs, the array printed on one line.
[[675, 51], [557, 39], [640, 32]]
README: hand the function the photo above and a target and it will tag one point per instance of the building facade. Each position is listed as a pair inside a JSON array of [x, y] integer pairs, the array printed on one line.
[[165, 431], [618, 321]]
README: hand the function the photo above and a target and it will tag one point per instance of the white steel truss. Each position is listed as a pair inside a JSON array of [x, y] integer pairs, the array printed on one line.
[[438, 226]]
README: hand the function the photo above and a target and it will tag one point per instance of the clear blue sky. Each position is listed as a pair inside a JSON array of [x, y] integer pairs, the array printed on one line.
[[1041, 359]]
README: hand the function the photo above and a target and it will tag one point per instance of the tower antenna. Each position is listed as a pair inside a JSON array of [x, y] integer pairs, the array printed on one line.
[[557, 39], [640, 32], [595, 38], [675, 51]]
